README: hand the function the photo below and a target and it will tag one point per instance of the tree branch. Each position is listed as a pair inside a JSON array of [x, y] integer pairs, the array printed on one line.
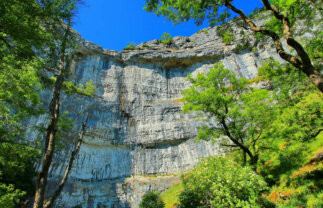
[[279, 47], [54, 109], [235, 141], [228, 145], [287, 34], [304, 64], [6, 42]]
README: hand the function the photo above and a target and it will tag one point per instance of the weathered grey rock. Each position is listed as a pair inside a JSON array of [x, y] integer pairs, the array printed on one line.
[[136, 127]]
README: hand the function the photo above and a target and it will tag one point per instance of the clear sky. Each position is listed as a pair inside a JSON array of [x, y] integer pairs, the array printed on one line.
[[112, 24]]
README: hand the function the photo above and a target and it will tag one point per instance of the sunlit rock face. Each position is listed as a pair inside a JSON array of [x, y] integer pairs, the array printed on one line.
[[136, 127]]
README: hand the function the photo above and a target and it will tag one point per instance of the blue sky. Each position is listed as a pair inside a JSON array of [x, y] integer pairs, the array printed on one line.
[[112, 24]]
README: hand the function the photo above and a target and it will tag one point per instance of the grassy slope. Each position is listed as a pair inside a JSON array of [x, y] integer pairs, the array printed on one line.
[[170, 197]]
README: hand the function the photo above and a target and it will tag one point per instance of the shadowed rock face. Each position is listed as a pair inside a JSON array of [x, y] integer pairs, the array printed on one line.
[[136, 128]]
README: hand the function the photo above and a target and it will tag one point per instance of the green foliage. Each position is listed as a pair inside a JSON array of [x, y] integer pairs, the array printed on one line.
[[29, 25], [256, 12], [295, 171], [146, 46], [287, 121], [242, 47], [182, 10], [244, 43], [220, 182], [151, 200], [9, 196], [227, 38], [205, 31], [17, 165], [309, 17], [30, 32], [70, 87], [304, 12], [231, 109], [215, 12], [294, 139], [21, 28], [314, 48], [285, 81], [19, 88], [130, 46], [166, 39], [301, 10], [87, 90]]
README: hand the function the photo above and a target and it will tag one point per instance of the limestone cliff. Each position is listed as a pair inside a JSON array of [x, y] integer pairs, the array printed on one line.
[[138, 139]]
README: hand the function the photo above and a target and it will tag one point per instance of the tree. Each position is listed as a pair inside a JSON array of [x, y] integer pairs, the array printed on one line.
[[151, 200], [221, 182], [34, 37], [234, 113], [61, 57], [24, 32], [285, 13], [292, 164]]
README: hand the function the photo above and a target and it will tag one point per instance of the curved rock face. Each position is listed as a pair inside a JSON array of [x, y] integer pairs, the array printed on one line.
[[136, 128]]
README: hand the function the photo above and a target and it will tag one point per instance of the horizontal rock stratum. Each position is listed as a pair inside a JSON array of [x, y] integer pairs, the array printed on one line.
[[138, 139]]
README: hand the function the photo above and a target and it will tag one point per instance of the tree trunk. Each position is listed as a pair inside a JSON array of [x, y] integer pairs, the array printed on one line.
[[246, 151], [52, 127], [51, 201]]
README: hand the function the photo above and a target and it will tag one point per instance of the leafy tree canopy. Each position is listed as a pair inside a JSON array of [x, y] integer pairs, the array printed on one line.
[[232, 110], [29, 35]]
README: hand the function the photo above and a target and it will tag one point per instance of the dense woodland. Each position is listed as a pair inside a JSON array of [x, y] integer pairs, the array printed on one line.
[[273, 136]]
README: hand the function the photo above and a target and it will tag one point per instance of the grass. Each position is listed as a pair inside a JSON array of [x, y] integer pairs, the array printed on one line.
[[170, 197]]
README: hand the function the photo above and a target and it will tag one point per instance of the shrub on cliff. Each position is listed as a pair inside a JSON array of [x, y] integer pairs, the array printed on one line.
[[151, 200], [131, 46], [220, 182], [227, 38], [166, 39]]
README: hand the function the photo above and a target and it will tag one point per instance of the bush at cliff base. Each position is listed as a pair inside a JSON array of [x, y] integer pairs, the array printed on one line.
[[220, 182], [151, 200]]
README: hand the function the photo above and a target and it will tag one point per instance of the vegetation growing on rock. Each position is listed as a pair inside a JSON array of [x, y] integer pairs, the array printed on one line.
[[151, 200], [130, 46], [166, 38]]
